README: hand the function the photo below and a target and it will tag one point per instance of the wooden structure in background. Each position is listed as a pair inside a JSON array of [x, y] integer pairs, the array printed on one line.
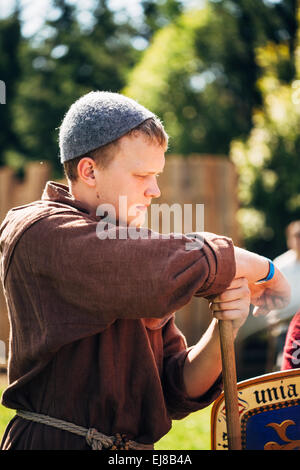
[[212, 181], [15, 193], [198, 179]]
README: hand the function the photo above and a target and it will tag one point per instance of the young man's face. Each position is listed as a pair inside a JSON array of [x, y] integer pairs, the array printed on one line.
[[133, 174]]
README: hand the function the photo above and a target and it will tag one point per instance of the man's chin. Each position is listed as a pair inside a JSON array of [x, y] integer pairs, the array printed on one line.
[[137, 222], [134, 223]]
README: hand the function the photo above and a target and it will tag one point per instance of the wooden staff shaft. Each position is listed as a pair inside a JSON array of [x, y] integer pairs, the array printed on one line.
[[230, 385]]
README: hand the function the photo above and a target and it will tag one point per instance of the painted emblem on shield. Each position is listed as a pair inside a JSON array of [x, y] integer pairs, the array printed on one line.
[[269, 408]]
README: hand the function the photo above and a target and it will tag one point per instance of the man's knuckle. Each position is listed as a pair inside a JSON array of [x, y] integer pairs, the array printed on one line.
[[227, 315], [246, 291]]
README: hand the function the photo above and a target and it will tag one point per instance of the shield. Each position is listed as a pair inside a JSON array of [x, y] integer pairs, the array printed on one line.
[[269, 411]]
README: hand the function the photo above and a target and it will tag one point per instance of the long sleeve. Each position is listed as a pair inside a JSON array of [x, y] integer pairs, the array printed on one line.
[[111, 279], [178, 403], [67, 284]]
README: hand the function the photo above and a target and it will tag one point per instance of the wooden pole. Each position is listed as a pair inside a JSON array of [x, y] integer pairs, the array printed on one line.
[[230, 385]]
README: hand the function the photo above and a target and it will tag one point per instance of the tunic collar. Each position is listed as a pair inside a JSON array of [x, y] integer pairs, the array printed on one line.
[[58, 192]]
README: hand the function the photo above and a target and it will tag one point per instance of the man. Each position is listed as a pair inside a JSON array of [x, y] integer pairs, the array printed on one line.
[[96, 360]]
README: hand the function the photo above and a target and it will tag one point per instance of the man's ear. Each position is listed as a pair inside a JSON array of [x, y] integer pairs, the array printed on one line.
[[85, 170]]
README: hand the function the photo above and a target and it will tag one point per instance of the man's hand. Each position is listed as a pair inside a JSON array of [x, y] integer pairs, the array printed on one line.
[[270, 295], [203, 363], [265, 297], [233, 304]]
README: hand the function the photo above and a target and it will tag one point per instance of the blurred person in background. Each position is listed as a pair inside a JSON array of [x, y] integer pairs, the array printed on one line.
[[291, 352], [279, 320]]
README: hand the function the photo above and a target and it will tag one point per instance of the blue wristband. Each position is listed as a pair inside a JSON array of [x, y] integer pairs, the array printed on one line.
[[270, 274]]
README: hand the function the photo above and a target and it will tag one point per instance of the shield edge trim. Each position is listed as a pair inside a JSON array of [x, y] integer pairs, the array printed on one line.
[[240, 386]]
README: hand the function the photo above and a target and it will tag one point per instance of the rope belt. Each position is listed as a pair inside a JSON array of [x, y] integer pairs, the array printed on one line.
[[95, 439]]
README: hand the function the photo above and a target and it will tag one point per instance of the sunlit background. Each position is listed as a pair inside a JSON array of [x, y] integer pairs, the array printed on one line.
[[222, 75], [219, 73]]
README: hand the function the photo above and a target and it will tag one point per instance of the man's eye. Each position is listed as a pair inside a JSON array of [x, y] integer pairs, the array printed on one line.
[[145, 176]]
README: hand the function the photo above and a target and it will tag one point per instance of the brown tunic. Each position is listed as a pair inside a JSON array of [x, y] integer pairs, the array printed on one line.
[[93, 339]]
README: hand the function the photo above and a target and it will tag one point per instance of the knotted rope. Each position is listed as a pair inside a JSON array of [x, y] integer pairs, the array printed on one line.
[[95, 439]]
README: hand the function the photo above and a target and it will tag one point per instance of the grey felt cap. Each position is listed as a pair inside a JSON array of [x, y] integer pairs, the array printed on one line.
[[98, 118]]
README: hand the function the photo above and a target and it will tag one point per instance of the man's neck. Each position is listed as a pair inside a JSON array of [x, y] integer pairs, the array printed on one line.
[[83, 198]]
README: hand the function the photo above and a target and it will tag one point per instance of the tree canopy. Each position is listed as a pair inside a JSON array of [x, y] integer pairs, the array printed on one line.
[[222, 78], [268, 161], [200, 72], [10, 73]]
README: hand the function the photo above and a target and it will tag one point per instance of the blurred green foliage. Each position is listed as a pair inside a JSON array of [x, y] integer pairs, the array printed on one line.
[[221, 77], [200, 72], [56, 71], [157, 14], [68, 58], [269, 160], [10, 74]]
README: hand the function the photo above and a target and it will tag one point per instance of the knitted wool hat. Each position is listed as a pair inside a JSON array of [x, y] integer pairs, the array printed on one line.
[[96, 119]]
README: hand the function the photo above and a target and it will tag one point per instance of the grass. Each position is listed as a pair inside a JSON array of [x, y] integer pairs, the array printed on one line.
[[5, 413], [190, 433]]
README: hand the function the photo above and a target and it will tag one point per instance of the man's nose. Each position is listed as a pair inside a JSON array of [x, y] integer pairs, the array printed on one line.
[[153, 189]]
